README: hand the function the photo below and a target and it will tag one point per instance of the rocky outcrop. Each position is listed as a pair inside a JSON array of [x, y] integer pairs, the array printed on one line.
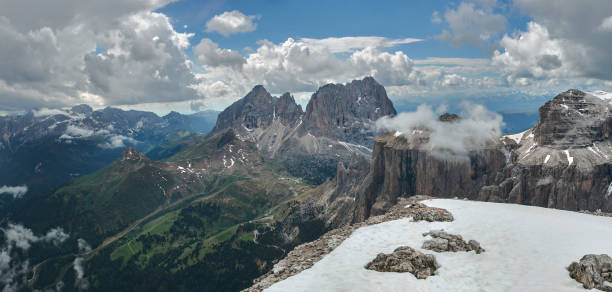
[[446, 242], [405, 259], [131, 154], [593, 271]]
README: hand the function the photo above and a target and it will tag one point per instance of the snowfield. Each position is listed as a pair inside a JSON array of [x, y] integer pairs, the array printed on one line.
[[527, 249]]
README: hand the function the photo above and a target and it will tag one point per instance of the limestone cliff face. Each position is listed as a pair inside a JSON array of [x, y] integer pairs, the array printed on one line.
[[563, 162], [400, 170]]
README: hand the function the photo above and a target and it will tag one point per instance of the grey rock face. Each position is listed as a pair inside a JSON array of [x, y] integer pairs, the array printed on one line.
[[347, 112], [258, 109], [337, 124], [405, 259], [593, 271], [573, 118], [564, 162], [444, 242]]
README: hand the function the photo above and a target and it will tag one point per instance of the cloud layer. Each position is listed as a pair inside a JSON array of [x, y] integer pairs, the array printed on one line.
[[476, 128], [15, 191], [126, 53], [73, 52], [14, 264]]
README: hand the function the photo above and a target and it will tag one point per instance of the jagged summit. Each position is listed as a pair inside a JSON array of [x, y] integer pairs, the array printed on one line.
[[258, 109], [346, 111]]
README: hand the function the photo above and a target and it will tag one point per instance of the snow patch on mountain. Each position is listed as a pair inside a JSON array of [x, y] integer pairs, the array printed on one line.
[[527, 249], [517, 137]]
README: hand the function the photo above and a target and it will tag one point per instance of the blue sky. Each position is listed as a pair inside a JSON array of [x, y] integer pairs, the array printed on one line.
[[190, 55], [320, 19]]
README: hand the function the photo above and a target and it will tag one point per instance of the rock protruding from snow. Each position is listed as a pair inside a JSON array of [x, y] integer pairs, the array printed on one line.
[[445, 242], [405, 259], [423, 212], [593, 271]]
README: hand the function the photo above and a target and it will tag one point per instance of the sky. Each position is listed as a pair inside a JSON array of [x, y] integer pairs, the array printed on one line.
[[190, 55]]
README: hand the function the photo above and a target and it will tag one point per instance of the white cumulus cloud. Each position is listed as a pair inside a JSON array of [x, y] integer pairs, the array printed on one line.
[[606, 24], [209, 54], [448, 140], [231, 22]]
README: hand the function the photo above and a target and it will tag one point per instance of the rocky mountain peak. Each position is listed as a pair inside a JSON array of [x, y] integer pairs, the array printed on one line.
[[258, 109], [82, 109], [287, 109], [573, 119], [131, 154], [446, 117], [347, 111], [259, 94]]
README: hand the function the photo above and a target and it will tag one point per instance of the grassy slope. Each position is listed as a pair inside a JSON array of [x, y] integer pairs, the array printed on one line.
[[204, 236]]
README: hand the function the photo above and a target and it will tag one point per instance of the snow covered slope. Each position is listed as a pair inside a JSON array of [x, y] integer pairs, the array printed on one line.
[[527, 249]]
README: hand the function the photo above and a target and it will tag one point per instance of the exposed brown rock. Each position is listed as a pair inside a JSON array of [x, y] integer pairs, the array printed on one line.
[[131, 154], [405, 259], [593, 271]]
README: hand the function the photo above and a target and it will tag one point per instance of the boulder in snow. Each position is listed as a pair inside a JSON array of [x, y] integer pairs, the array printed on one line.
[[593, 271], [430, 214], [405, 259], [443, 242]]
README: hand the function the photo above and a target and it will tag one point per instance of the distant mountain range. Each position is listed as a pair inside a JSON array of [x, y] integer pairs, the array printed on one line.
[[42, 150], [167, 206]]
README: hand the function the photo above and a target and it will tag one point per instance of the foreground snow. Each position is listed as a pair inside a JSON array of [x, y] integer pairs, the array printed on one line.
[[527, 249]]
